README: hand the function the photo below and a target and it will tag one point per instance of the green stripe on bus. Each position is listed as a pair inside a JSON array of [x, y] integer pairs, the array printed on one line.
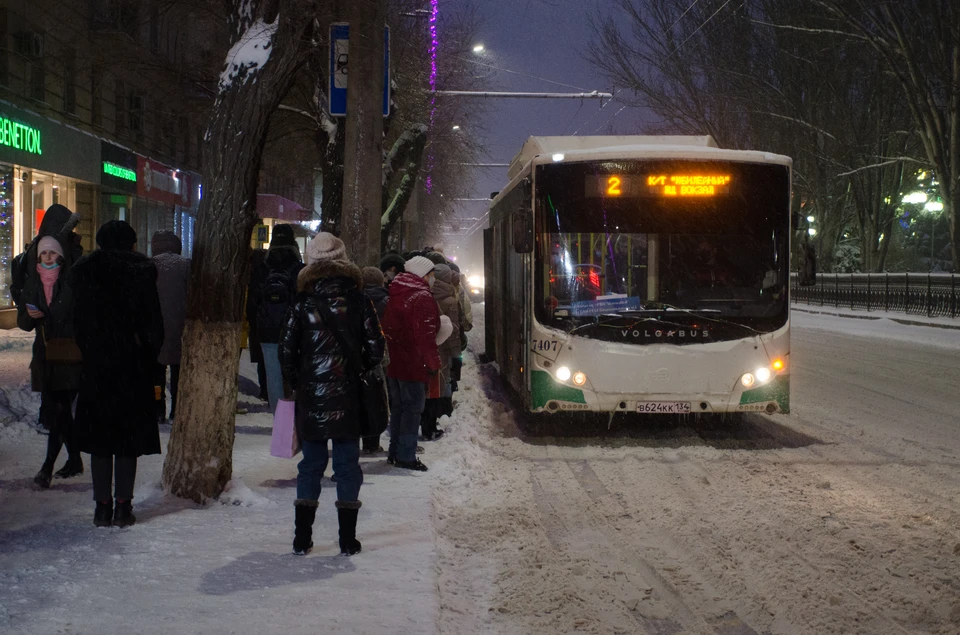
[[777, 390], [543, 388]]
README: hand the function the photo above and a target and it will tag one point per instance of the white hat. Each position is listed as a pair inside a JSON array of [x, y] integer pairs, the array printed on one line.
[[418, 266], [49, 243], [325, 246], [446, 330]]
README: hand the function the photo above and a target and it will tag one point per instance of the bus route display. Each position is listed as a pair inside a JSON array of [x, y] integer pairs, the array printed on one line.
[[657, 185]]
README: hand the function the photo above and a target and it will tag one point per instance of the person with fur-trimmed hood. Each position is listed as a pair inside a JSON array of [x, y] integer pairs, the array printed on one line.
[[330, 307], [119, 328], [438, 389], [47, 307], [410, 325]]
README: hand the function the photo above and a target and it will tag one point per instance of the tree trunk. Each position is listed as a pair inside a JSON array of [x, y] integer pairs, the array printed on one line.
[[199, 457], [363, 153]]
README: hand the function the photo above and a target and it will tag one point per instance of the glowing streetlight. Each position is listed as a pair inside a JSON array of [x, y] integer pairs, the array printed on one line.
[[915, 197], [812, 231], [933, 206], [810, 219], [456, 127], [478, 48]]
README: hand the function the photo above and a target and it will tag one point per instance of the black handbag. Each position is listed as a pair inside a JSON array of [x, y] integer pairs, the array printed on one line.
[[374, 409]]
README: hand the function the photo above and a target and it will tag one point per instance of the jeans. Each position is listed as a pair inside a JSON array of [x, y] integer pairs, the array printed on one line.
[[160, 379], [271, 362], [346, 467], [407, 399], [102, 469]]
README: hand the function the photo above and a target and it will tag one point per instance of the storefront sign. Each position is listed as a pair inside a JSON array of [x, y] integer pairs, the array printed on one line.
[[38, 143], [162, 183], [119, 168], [120, 172], [19, 136]]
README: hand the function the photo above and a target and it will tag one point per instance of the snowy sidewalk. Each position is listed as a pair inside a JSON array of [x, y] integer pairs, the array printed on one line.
[[221, 568], [911, 319]]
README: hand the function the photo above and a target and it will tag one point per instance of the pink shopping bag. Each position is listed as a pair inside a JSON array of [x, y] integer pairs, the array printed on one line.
[[284, 441]]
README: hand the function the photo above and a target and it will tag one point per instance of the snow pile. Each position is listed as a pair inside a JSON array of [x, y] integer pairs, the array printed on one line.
[[238, 494], [250, 52]]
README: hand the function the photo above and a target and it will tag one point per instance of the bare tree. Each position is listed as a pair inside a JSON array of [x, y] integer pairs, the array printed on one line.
[[919, 41], [270, 41]]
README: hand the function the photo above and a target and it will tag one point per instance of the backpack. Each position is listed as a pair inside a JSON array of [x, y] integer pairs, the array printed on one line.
[[276, 295], [18, 276]]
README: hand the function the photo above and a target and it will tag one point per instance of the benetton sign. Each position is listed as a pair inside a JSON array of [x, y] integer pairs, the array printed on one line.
[[19, 136]]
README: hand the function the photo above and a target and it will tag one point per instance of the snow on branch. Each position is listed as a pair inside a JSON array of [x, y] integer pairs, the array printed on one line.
[[881, 165], [249, 53], [790, 27]]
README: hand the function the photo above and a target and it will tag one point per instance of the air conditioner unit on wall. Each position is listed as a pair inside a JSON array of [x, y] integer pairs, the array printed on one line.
[[29, 43]]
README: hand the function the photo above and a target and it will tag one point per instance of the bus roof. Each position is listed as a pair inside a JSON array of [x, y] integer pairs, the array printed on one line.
[[583, 147]]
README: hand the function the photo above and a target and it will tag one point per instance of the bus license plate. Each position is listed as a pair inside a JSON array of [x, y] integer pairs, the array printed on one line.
[[664, 407]]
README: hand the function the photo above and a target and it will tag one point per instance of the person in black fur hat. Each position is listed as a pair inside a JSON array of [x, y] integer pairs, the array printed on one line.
[[119, 329]]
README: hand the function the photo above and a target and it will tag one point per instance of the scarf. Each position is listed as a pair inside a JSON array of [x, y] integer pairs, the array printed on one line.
[[49, 278]]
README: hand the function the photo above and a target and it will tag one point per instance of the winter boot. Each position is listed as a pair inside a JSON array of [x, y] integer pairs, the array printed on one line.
[[305, 511], [103, 515], [347, 515], [414, 465], [73, 467], [123, 514], [44, 476]]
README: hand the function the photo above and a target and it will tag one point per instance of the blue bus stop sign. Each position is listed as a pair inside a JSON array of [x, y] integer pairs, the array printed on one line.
[[339, 56]]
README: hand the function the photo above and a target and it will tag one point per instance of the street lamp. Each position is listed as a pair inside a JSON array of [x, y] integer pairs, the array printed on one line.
[[478, 48], [934, 208]]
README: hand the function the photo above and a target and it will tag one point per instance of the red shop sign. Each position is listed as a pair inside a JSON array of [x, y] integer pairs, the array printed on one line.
[[162, 183]]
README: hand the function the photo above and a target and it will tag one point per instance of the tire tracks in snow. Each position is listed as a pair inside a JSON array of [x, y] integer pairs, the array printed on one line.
[[589, 507], [766, 567]]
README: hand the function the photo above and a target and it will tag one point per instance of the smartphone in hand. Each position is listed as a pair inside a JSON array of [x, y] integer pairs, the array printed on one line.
[[32, 307]]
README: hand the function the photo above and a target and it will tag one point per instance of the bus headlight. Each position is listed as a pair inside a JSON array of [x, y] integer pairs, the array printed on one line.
[[563, 373], [579, 378], [747, 380], [763, 374]]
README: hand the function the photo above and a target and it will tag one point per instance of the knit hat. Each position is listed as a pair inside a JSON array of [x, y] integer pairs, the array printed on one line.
[[166, 242], [49, 243], [116, 234], [392, 260], [282, 235], [372, 277], [446, 330], [435, 258], [443, 273], [418, 266], [325, 246]]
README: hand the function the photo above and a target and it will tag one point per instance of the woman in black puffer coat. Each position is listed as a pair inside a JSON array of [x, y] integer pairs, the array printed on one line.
[[329, 313]]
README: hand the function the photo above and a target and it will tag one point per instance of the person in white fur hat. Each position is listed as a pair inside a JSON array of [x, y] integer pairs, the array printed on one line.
[[410, 324]]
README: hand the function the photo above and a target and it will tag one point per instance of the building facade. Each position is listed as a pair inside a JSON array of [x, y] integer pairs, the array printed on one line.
[[102, 107]]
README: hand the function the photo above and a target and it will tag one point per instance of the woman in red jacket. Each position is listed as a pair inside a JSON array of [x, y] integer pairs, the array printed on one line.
[[410, 325]]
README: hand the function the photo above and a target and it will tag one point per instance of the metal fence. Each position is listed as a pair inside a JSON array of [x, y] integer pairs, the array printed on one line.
[[930, 294]]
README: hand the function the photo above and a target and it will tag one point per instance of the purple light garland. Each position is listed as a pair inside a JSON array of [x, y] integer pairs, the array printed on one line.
[[434, 45]]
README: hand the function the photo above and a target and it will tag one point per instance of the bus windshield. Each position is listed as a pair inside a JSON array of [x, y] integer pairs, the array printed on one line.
[[614, 240]]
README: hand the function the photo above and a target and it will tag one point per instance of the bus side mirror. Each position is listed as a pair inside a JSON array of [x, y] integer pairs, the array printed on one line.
[[523, 231], [808, 274]]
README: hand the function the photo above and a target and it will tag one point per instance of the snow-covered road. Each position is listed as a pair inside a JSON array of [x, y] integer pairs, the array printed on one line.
[[843, 517]]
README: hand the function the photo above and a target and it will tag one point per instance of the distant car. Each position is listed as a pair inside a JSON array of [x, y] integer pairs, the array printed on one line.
[[475, 288]]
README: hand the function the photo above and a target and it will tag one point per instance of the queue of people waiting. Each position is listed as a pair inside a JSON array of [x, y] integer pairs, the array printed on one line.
[[109, 325]]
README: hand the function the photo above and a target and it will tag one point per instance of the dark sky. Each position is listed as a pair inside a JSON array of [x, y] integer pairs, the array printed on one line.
[[543, 39]]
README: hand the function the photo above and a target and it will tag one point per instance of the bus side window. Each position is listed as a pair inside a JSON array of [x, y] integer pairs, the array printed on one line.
[[523, 231]]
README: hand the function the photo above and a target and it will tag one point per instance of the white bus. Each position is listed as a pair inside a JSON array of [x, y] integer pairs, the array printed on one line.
[[641, 274]]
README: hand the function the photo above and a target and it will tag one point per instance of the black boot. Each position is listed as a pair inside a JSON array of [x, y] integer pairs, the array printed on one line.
[[347, 515], [305, 511], [123, 515], [73, 467], [44, 476], [103, 515]]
